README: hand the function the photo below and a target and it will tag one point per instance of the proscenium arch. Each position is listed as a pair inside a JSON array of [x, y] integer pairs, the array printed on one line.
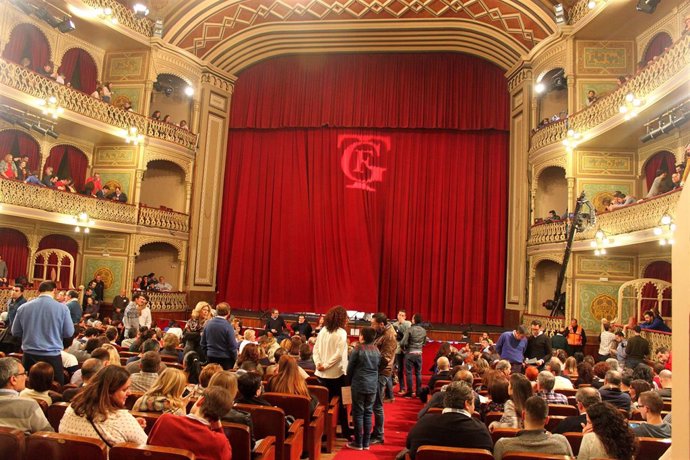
[[261, 42]]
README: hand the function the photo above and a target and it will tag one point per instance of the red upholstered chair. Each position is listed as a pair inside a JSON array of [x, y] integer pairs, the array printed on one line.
[[299, 407], [133, 451], [56, 446], [132, 398], [452, 453], [54, 414], [636, 416], [575, 440], [150, 417], [563, 409], [652, 448], [492, 417], [438, 385], [331, 415], [566, 392], [168, 359], [241, 443], [270, 421], [534, 456], [435, 410], [313, 380], [12, 444], [572, 401], [553, 422], [499, 433]]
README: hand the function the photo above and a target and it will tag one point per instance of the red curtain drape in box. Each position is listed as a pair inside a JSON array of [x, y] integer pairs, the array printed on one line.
[[14, 251], [662, 160], [77, 163], [19, 143], [64, 243], [344, 200], [660, 270], [657, 46], [27, 40], [76, 60]]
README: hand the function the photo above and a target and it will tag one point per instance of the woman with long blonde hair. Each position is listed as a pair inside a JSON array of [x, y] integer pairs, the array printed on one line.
[[288, 379], [114, 354], [166, 394], [228, 381], [200, 314]]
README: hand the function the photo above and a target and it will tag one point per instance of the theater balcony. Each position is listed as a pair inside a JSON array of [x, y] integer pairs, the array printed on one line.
[[36, 202]]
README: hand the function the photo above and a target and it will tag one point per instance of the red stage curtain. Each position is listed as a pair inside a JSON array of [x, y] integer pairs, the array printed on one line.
[[78, 61], [77, 163], [442, 90], [19, 143], [64, 243], [14, 251], [657, 46], [27, 40], [660, 270], [662, 160]]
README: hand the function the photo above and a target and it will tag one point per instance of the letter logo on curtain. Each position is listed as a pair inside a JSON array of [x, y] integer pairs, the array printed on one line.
[[359, 156]]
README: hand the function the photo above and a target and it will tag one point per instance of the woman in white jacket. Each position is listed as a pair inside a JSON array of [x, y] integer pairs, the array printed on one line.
[[330, 358]]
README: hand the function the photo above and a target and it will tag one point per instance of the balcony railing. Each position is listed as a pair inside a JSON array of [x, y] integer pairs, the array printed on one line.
[[37, 197], [550, 324], [578, 11], [167, 301], [669, 65], [33, 84], [124, 16], [635, 217]]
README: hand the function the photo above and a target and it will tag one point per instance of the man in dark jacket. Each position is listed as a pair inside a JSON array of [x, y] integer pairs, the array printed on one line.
[[11, 344], [412, 343], [585, 397], [302, 327], [218, 339], [386, 342], [455, 427], [611, 391], [98, 288], [538, 345]]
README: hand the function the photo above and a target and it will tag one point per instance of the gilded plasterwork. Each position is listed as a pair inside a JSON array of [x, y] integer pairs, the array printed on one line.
[[605, 163], [605, 58], [605, 266], [115, 156]]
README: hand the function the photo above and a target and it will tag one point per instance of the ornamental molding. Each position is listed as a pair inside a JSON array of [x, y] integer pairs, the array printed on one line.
[[646, 262], [554, 57], [142, 240], [559, 161], [158, 155], [173, 62], [222, 83], [84, 148], [539, 258], [669, 24], [519, 78]]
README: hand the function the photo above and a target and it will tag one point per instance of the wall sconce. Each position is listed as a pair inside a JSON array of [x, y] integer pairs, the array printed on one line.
[[572, 140], [132, 136], [631, 106], [665, 230], [601, 242], [591, 4], [82, 222], [50, 107]]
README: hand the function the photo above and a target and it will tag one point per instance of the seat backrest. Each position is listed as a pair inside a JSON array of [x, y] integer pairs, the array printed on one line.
[[439, 383], [567, 392], [499, 433], [240, 440], [54, 414], [150, 417], [435, 410], [57, 446], [652, 448], [313, 380], [168, 359], [452, 453], [132, 398], [492, 417], [575, 440], [297, 406], [320, 392], [553, 422], [563, 409], [133, 451], [12, 444], [534, 456], [267, 421]]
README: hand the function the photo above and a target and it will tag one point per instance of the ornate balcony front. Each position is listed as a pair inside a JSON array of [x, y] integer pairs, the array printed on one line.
[[669, 67], [35, 85], [167, 301], [71, 204], [645, 215], [124, 16]]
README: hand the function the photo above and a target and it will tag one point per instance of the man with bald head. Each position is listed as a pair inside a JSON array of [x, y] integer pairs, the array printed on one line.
[[611, 391], [89, 368], [585, 397], [665, 380], [460, 375]]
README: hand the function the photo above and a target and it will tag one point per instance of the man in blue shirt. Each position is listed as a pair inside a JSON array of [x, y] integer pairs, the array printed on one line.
[[74, 307], [218, 339], [42, 323], [511, 346]]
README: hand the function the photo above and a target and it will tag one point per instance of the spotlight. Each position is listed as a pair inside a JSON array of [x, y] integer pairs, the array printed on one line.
[[559, 12], [8, 117], [158, 28], [24, 124], [539, 87], [40, 129], [189, 91], [647, 6], [51, 132], [559, 82], [26, 7], [141, 10], [168, 90], [66, 25]]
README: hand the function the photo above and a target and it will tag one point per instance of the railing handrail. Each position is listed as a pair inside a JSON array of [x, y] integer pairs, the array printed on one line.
[[125, 16], [172, 211]]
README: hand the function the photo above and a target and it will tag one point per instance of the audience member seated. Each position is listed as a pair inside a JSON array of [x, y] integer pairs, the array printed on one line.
[[498, 392], [228, 381], [600, 369], [666, 385], [519, 389], [118, 195], [459, 375], [534, 438], [658, 186], [585, 397], [611, 391], [302, 327], [442, 373], [250, 356], [653, 321], [650, 406], [555, 366], [165, 395], [305, 358], [545, 384], [200, 431], [100, 354], [40, 383], [162, 285], [289, 380], [637, 387], [585, 374], [89, 368], [553, 217], [192, 367], [170, 344], [663, 355], [607, 435], [455, 427], [250, 389], [207, 372], [143, 380], [148, 345], [22, 414], [99, 410]]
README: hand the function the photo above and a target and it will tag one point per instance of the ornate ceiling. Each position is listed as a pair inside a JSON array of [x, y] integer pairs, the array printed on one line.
[[215, 30]]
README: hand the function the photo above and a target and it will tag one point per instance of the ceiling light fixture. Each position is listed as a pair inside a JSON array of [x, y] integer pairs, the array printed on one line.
[[106, 14], [132, 136], [140, 10]]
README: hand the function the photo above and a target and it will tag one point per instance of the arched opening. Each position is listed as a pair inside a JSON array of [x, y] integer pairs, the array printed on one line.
[[162, 259], [20, 144], [656, 47], [552, 97], [27, 42], [61, 243], [662, 161], [14, 250], [660, 270], [163, 186], [169, 97], [80, 70], [545, 278], [552, 192], [69, 162]]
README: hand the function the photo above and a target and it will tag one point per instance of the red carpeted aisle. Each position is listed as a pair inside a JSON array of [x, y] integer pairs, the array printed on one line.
[[401, 415]]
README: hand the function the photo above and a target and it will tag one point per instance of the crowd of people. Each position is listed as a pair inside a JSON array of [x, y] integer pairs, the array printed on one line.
[[156, 115], [150, 282]]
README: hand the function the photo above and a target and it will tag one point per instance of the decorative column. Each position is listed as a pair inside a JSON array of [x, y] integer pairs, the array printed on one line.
[[188, 196], [182, 268], [215, 94], [572, 193], [146, 102], [519, 194]]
